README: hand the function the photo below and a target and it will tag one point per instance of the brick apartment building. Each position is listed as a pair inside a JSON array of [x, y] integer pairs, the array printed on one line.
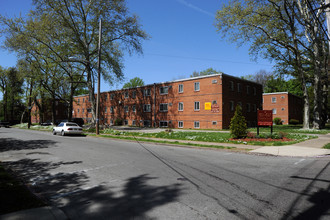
[[60, 111], [206, 102], [284, 105]]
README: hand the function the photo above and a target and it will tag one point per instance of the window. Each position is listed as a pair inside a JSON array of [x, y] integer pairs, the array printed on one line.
[[83, 100], [254, 91], [89, 110], [111, 109], [78, 110], [180, 106], [231, 86], [163, 124], [133, 123], [126, 122], [214, 81], [214, 123], [282, 97], [248, 90], [196, 106], [126, 94], [232, 107], [181, 88], [282, 109], [83, 110], [214, 102], [147, 123], [105, 109], [180, 124], [163, 90], [147, 92], [196, 86], [112, 96], [126, 108], [105, 97], [239, 87], [111, 122], [254, 108], [133, 108], [196, 124], [147, 108], [163, 107], [274, 111], [78, 101], [248, 107], [134, 94], [273, 99]]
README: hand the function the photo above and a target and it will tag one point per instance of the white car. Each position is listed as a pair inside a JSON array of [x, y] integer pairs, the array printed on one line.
[[65, 128]]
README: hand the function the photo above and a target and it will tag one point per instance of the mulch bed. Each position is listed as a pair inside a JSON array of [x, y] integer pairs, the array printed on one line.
[[261, 139]]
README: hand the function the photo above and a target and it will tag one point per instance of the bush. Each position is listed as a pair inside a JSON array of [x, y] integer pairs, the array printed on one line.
[[293, 122], [118, 122], [277, 121], [238, 126]]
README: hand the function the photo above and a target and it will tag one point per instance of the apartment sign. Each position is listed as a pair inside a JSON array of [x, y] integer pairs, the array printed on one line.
[[207, 105], [215, 108], [265, 117]]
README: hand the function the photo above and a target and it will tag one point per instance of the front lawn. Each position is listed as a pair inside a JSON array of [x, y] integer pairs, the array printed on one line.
[[217, 137]]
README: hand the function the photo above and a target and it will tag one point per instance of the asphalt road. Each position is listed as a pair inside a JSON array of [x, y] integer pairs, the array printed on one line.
[[98, 178]]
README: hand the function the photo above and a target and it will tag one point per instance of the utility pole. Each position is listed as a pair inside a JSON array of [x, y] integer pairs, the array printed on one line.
[[98, 80]]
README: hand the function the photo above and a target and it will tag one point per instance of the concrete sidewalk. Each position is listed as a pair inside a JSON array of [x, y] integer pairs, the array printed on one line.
[[309, 148], [43, 213]]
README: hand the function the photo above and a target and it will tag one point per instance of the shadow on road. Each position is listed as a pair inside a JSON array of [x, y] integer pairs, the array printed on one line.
[[8, 144], [74, 195], [319, 199]]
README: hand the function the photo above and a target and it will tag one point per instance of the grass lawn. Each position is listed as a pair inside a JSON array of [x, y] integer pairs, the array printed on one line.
[[205, 137], [14, 195], [327, 146], [291, 129]]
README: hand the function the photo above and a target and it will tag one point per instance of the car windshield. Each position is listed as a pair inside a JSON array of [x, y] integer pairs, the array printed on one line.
[[71, 124]]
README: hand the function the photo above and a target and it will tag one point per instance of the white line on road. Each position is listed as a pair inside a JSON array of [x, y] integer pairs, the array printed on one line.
[[301, 160]]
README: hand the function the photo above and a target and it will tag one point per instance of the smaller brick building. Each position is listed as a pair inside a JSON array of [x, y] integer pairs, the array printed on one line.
[[284, 105]]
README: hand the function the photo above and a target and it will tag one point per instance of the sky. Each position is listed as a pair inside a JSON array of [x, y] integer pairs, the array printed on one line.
[[183, 39]]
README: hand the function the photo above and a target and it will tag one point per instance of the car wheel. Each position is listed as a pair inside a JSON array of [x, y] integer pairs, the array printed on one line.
[[62, 133], [54, 132]]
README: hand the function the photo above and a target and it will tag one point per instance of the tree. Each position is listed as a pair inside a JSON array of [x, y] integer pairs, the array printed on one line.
[[287, 32], [208, 71], [58, 30], [133, 83], [261, 77], [238, 126]]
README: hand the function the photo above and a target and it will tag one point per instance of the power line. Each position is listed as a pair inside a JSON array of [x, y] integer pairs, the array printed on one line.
[[317, 19], [205, 59]]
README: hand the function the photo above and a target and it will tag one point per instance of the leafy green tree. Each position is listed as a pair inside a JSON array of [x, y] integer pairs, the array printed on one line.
[[287, 32], [238, 126], [133, 83], [261, 77], [208, 71], [60, 30]]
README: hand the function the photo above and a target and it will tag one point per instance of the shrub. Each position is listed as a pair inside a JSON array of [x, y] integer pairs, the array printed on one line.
[[277, 121], [118, 121], [238, 126], [293, 122]]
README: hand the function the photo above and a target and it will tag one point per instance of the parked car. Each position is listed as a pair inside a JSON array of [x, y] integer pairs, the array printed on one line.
[[65, 128], [4, 124], [46, 123]]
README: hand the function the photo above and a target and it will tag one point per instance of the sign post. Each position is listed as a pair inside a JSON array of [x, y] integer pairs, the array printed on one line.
[[265, 118]]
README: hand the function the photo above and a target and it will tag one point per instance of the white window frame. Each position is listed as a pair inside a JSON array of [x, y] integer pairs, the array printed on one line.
[[161, 107], [126, 108], [196, 86], [180, 122], [112, 96], [274, 111], [199, 106], [163, 90], [180, 109], [112, 109], [197, 123], [126, 94], [180, 88], [274, 100], [134, 108], [147, 92]]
